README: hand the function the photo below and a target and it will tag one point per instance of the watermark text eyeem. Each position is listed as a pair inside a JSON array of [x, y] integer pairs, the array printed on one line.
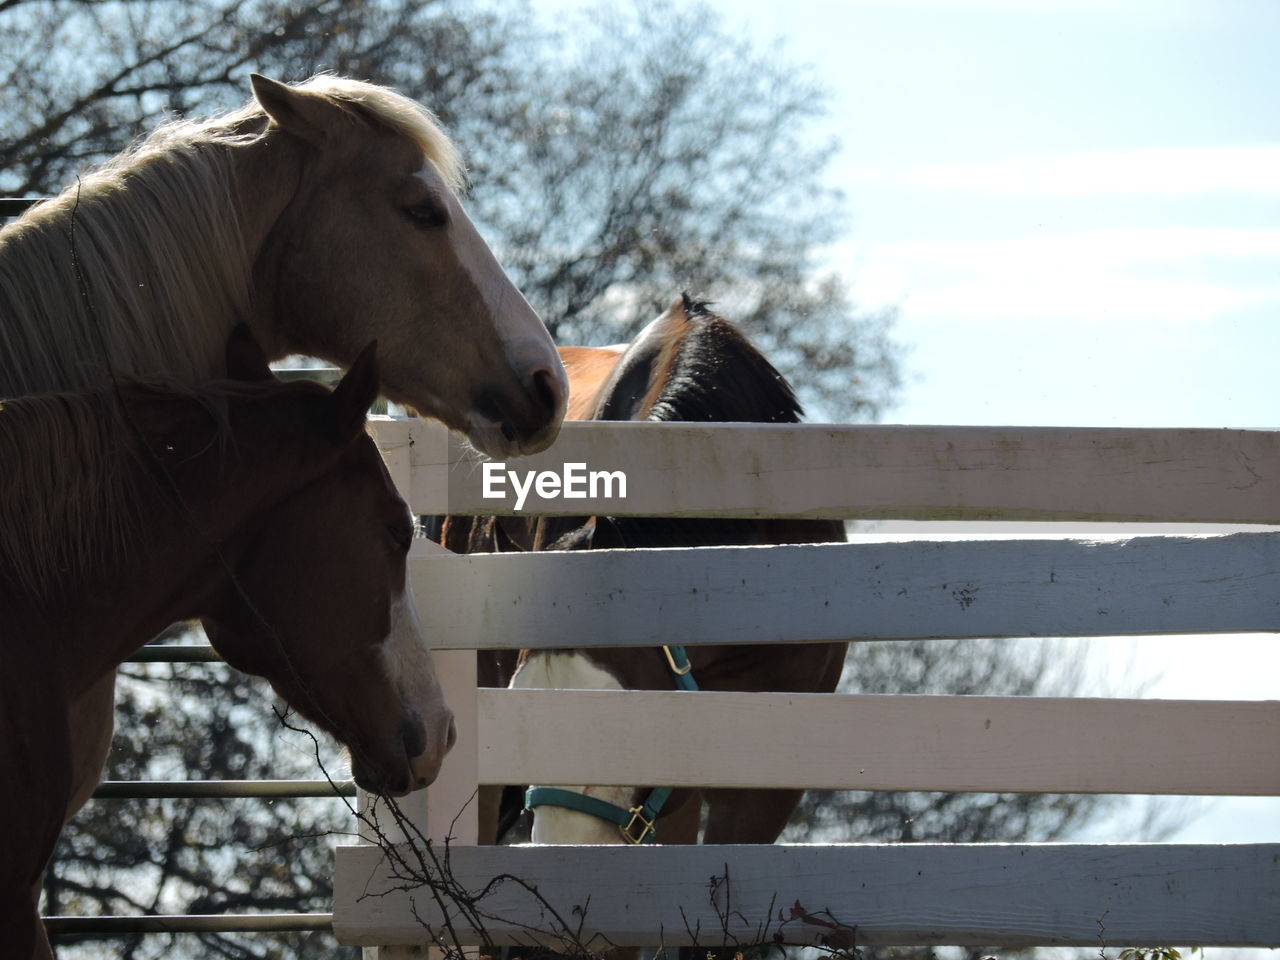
[[574, 482]]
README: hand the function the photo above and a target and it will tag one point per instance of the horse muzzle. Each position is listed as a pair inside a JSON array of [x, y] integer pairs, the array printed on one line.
[[425, 749], [412, 759], [521, 420]]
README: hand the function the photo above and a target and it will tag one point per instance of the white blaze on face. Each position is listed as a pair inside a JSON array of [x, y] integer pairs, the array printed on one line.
[[572, 671], [517, 325], [412, 670], [525, 342]]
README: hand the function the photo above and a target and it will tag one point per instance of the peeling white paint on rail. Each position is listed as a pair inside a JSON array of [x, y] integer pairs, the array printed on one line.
[[853, 591], [1009, 895], [881, 742], [911, 472]]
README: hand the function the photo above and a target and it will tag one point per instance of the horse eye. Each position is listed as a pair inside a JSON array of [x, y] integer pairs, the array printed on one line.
[[401, 535], [429, 214]]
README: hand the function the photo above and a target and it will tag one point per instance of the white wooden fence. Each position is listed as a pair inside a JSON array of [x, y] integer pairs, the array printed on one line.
[[990, 894]]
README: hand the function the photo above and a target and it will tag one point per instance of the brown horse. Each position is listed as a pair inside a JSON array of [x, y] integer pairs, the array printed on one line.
[[687, 365], [263, 509], [324, 215]]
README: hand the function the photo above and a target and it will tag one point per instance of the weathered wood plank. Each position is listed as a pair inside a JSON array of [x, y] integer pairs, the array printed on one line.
[[847, 742], [912, 894], [912, 472], [1145, 585], [451, 807]]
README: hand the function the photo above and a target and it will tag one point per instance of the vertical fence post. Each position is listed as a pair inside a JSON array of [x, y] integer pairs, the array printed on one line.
[[451, 815], [395, 444]]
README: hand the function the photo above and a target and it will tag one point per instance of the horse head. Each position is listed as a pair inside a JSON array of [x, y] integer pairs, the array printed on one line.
[[374, 242], [319, 602]]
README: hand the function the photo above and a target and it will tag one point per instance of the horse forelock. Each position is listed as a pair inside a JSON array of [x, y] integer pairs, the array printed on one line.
[[398, 113], [695, 308]]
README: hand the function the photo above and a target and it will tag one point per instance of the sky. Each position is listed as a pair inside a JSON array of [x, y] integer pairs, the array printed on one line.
[[1075, 207]]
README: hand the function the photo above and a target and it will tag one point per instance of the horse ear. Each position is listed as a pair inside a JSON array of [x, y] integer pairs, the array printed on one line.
[[245, 358], [308, 116], [353, 396]]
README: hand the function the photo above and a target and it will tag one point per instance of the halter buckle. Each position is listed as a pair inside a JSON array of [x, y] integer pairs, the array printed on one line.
[[647, 827], [671, 662]]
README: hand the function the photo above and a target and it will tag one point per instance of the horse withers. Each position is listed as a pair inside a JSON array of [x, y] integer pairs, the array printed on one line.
[[263, 509], [687, 365]]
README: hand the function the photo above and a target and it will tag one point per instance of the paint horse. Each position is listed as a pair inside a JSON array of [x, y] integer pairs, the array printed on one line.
[[687, 365], [324, 215], [260, 507]]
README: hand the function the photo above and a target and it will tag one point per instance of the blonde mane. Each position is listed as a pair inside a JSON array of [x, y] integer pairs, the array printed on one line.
[[404, 116], [161, 251], [71, 486]]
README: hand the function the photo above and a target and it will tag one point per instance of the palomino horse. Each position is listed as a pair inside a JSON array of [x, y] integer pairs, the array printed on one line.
[[260, 507], [324, 215], [688, 365]]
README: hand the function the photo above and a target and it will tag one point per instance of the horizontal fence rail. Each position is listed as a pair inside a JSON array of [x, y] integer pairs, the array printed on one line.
[[223, 789], [99, 927], [174, 653], [63, 928], [211, 789], [1145, 585], [1011, 895], [880, 742], [15, 206], [838, 471]]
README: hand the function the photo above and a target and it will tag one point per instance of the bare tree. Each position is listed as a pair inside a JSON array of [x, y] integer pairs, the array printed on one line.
[[664, 154]]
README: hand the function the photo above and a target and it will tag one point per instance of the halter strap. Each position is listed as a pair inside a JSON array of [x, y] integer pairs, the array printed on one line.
[[636, 824]]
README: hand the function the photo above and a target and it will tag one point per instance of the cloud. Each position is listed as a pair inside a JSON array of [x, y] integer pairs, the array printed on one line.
[[1150, 172], [1181, 274], [1111, 246], [1076, 298]]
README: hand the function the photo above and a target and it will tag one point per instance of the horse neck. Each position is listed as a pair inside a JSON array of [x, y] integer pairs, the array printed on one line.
[[91, 620], [186, 526], [161, 270]]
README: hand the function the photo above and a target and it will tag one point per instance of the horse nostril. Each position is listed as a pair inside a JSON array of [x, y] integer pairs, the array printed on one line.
[[413, 733], [451, 737], [547, 390]]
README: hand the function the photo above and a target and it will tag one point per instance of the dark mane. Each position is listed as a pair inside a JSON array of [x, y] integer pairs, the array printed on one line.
[[70, 488], [76, 479], [719, 375], [692, 365]]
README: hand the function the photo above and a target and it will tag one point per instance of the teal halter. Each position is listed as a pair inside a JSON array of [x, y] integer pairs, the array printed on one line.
[[636, 824], [680, 666]]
